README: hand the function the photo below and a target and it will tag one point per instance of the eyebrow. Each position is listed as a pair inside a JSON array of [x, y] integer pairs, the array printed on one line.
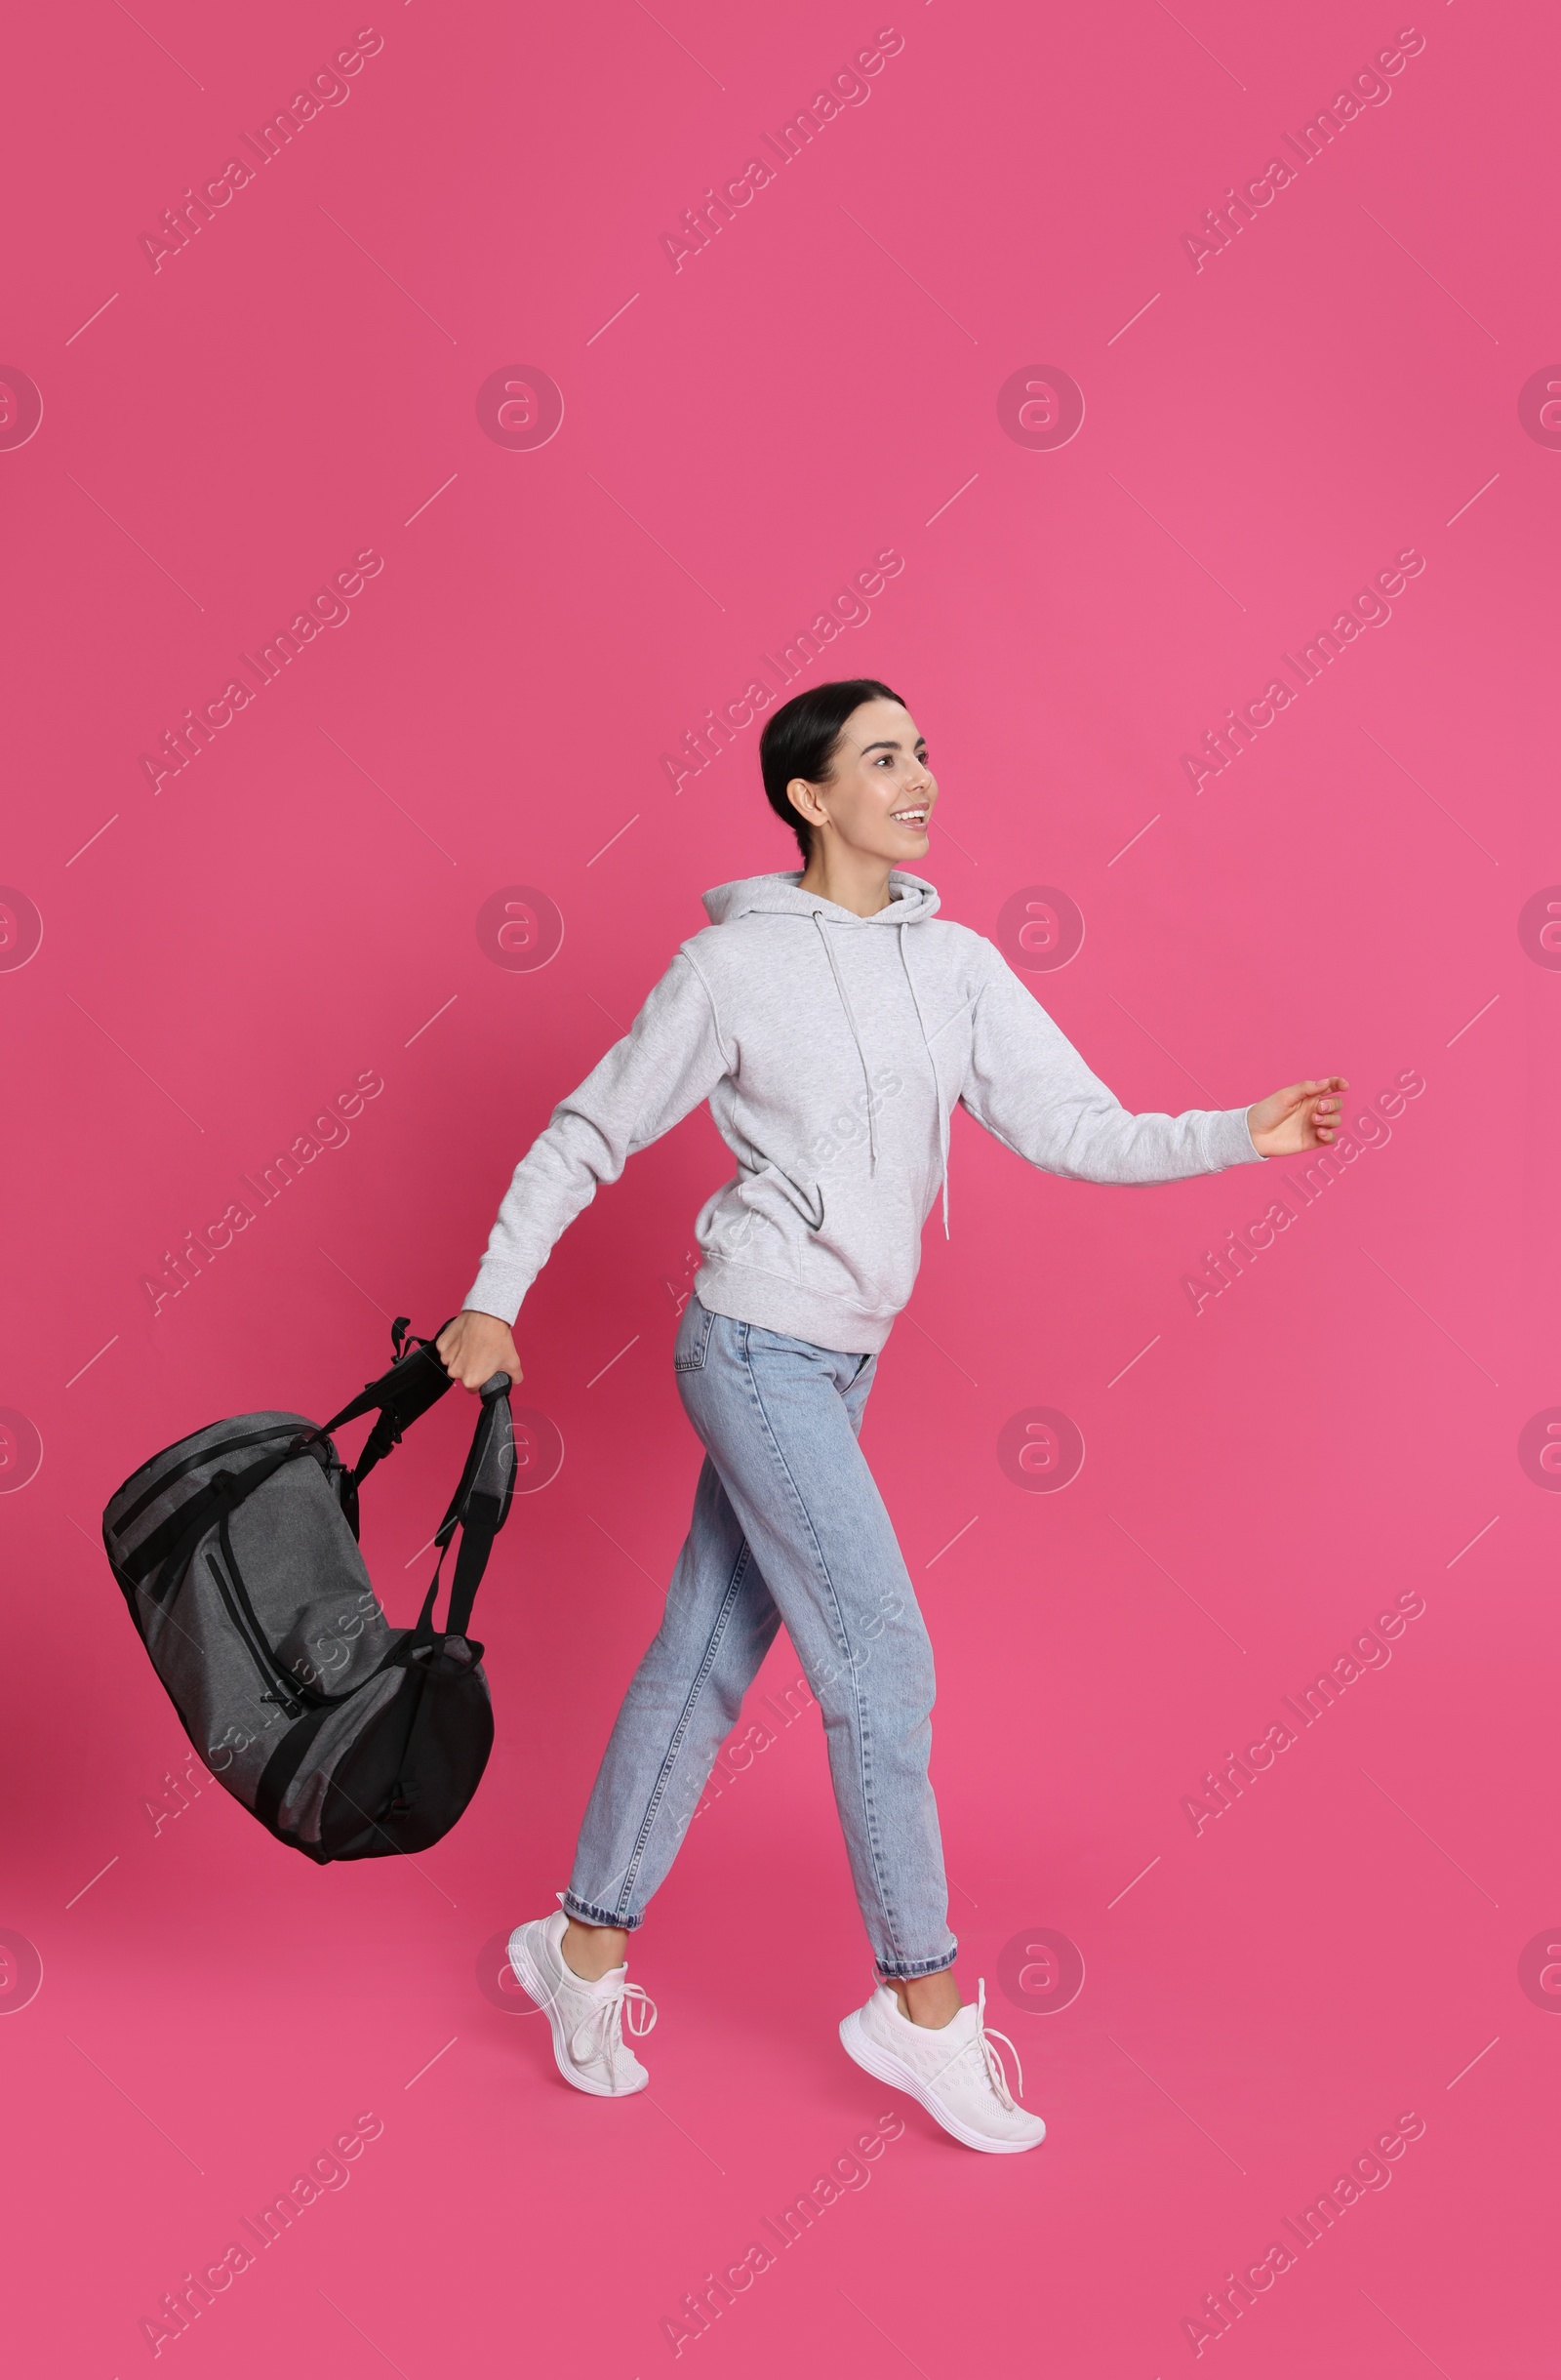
[[889, 743]]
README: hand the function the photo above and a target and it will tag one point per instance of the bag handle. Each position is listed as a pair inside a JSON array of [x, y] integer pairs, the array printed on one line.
[[479, 1508], [415, 1381]]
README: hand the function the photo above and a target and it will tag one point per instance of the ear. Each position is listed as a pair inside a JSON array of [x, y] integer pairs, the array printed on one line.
[[804, 796]]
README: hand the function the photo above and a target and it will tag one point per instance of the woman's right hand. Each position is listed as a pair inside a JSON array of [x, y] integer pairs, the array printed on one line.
[[474, 1347]]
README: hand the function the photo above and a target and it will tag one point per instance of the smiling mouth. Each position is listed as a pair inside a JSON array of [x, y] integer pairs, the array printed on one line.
[[911, 818]]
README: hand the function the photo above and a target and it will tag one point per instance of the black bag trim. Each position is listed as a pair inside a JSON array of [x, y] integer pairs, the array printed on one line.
[[281, 1767], [180, 1471], [171, 1542]]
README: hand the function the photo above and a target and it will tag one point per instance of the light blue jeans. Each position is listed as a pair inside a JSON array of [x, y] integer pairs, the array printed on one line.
[[787, 1525]]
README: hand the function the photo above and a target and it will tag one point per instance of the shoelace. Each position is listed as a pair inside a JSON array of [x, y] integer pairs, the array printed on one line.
[[630, 2002], [981, 2045]]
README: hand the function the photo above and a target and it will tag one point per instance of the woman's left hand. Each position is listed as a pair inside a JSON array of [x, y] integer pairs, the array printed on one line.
[[1306, 1116]]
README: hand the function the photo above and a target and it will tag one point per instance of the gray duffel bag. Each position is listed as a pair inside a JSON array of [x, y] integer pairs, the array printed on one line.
[[237, 1552]]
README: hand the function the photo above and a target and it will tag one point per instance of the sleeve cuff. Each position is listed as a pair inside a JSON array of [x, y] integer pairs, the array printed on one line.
[[495, 1292], [1233, 1139]]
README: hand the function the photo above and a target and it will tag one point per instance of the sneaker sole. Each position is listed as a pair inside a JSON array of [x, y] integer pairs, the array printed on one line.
[[520, 1959], [859, 2045]]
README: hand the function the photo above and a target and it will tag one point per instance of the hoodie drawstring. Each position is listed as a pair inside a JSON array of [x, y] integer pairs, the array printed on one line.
[[845, 1002], [850, 1020], [937, 1086]]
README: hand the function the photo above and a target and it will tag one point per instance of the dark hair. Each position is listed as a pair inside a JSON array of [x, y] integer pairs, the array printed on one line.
[[801, 740]]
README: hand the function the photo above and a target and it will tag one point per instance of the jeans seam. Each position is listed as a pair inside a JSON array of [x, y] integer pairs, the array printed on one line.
[[919, 1968], [664, 1779], [592, 1914], [868, 1810]]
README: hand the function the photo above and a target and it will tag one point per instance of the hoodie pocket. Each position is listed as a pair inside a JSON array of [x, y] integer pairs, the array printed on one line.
[[762, 1218], [872, 1249], [773, 1195]]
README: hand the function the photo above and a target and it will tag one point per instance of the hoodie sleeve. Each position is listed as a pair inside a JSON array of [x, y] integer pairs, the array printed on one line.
[[667, 1061], [1030, 1088]]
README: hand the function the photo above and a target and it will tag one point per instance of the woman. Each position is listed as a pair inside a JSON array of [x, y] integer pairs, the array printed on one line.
[[832, 1020]]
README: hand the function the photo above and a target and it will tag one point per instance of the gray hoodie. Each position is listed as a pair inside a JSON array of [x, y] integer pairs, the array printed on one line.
[[832, 1050]]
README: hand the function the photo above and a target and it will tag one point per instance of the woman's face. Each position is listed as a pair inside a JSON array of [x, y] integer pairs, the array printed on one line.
[[880, 793]]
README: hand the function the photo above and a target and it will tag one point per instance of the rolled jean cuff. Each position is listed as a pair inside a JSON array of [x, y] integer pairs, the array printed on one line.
[[911, 1971], [590, 1914]]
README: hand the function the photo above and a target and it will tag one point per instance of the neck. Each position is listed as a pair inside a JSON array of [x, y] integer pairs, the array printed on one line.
[[854, 881]]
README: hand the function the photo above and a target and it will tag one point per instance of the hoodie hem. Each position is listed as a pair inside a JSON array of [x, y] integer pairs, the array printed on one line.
[[786, 1307]]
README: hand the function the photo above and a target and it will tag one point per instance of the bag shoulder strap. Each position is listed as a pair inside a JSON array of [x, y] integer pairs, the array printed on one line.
[[479, 1508]]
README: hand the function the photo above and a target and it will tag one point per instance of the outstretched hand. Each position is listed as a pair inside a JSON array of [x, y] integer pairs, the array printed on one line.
[[474, 1347], [1305, 1115]]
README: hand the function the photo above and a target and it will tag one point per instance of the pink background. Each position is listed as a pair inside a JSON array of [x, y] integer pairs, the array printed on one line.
[[1338, 1428]]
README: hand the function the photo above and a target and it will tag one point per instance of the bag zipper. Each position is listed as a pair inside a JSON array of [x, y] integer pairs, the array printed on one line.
[[294, 1686], [267, 1676]]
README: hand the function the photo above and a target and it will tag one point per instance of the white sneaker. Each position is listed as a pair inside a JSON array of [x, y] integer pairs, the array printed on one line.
[[586, 2018], [952, 2068]]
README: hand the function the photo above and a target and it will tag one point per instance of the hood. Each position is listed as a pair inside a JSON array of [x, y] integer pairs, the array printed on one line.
[[781, 896]]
